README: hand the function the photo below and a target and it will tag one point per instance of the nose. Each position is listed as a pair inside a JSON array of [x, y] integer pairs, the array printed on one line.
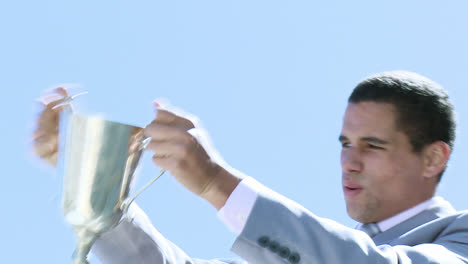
[[351, 160]]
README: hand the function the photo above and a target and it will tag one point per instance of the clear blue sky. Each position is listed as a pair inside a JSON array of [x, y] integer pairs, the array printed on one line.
[[269, 80]]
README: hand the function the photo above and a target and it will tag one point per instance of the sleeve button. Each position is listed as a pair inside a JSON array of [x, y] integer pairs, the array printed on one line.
[[284, 252], [274, 246], [294, 258], [264, 241]]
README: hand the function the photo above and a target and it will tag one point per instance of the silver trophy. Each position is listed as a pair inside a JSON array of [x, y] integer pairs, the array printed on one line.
[[99, 160]]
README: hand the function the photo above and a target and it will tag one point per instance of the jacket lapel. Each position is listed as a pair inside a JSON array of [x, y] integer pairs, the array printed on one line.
[[440, 209]]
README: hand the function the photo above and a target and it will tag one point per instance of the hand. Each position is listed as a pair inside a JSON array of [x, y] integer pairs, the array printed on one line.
[[178, 151], [45, 136]]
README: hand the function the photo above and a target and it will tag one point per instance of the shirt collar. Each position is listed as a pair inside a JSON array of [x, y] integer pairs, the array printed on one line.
[[392, 221]]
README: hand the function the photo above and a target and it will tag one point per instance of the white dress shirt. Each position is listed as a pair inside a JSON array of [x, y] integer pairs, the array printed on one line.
[[240, 203], [390, 222]]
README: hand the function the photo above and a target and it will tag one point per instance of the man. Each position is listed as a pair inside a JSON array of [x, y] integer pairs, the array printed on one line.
[[397, 135]]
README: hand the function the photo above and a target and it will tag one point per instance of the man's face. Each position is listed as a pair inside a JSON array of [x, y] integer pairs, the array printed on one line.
[[381, 173]]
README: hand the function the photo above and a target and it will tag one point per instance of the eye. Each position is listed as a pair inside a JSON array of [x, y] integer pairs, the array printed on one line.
[[374, 146], [345, 144]]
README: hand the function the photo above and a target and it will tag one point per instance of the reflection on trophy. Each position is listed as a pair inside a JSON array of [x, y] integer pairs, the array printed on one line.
[[99, 159]]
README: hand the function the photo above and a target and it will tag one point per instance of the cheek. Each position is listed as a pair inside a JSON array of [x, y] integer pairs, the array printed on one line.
[[397, 176], [386, 173], [408, 171]]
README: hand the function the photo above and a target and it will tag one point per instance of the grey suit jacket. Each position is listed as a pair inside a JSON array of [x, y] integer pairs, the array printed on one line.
[[279, 230]]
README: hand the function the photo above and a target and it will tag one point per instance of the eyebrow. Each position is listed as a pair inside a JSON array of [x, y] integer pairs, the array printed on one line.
[[342, 138], [374, 140]]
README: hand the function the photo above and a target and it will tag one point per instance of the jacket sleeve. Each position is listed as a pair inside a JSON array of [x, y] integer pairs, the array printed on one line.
[[135, 240], [279, 230]]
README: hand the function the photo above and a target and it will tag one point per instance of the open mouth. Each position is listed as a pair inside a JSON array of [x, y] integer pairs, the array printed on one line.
[[351, 190]]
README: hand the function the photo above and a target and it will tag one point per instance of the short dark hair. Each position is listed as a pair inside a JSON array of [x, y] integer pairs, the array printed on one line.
[[424, 111]]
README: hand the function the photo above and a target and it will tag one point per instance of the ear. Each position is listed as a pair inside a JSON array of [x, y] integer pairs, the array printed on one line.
[[435, 158]]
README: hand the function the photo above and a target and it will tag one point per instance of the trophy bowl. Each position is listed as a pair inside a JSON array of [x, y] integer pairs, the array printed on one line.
[[99, 160]]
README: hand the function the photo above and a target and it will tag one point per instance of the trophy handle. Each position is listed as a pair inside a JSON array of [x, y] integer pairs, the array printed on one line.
[[126, 203], [68, 100]]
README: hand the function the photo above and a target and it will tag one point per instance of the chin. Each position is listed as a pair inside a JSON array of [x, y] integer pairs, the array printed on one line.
[[359, 215]]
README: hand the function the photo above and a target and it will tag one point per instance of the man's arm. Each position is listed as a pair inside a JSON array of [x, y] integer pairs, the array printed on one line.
[[135, 240], [184, 149]]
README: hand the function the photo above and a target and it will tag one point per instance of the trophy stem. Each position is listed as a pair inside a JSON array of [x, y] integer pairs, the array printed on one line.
[[84, 244]]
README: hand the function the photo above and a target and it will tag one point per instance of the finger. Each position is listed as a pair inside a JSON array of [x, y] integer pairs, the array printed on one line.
[[49, 98], [163, 132], [166, 117], [54, 97], [45, 145], [48, 120], [42, 131], [167, 163], [49, 115], [55, 105], [165, 149], [51, 158], [62, 91]]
